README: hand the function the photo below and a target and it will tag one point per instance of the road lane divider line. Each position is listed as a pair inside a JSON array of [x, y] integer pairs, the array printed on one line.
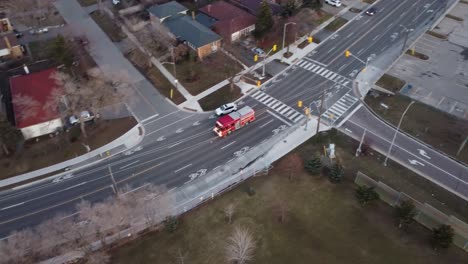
[[11, 206], [277, 116], [183, 168], [225, 146], [262, 126], [168, 125], [76, 185], [80, 197], [130, 164], [171, 146]]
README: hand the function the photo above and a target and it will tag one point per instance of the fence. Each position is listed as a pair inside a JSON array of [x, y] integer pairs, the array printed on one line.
[[427, 215]]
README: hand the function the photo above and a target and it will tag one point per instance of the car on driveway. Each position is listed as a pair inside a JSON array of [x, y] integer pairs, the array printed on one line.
[[371, 11], [336, 3], [38, 31], [258, 51], [85, 115], [226, 109]]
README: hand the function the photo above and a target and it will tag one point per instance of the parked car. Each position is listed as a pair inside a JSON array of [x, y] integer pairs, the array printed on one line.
[[258, 51], [85, 115], [336, 3], [115, 2], [17, 33], [371, 11], [38, 31], [226, 109]]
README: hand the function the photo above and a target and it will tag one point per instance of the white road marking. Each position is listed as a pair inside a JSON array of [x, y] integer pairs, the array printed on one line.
[[171, 146], [415, 162], [277, 116], [11, 206], [130, 164], [350, 34], [161, 138], [196, 123], [180, 130], [266, 123], [360, 51], [183, 168], [152, 132], [348, 130], [423, 153], [228, 145], [378, 35], [76, 185]]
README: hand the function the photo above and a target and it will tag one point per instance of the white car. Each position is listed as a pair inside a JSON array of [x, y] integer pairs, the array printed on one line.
[[258, 51], [115, 2], [226, 109], [87, 116], [336, 3]]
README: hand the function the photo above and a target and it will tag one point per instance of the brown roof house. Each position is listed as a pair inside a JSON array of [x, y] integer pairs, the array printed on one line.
[[227, 20], [182, 27], [9, 47]]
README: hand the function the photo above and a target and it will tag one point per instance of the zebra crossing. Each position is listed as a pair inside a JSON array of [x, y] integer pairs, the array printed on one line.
[[322, 71], [279, 107], [339, 108]]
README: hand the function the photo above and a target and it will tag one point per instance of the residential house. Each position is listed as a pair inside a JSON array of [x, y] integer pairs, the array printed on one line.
[[227, 20], [182, 27], [5, 25], [253, 6], [10, 47], [29, 94]]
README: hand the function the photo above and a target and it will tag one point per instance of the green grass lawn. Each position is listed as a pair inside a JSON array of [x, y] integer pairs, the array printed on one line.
[[436, 128], [107, 25], [324, 224], [222, 96], [212, 70]]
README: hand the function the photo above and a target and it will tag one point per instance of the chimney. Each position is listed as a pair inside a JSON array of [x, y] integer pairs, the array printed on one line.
[[26, 70], [193, 15]]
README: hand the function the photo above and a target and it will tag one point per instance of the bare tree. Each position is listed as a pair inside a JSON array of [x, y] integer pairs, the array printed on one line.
[[19, 247], [180, 52], [29, 12], [229, 212], [241, 245], [281, 208], [93, 94]]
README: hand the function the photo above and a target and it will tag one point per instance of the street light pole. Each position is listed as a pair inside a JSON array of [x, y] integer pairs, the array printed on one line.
[[322, 101], [407, 31], [284, 37], [396, 132], [173, 62]]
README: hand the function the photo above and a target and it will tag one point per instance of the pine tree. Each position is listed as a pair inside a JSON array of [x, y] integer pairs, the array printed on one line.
[[366, 194], [264, 20], [442, 236], [336, 173], [313, 166]]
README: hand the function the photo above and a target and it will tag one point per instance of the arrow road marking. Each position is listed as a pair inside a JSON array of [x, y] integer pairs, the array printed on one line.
[[415, 162], [196, 123], [180, 130], [348, 130], [161, 138], [423, 153]]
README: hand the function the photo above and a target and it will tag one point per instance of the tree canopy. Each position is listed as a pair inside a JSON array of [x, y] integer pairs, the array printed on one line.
[[264, 20]]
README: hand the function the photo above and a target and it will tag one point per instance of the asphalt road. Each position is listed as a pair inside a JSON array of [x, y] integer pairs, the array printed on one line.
[[179, 145]]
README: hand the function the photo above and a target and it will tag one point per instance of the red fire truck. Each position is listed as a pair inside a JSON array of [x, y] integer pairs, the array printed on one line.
[[233, 121]]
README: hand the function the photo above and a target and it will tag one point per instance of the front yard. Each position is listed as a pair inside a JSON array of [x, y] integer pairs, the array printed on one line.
[[48, 151], [222, 96], [197, 76], [108, 25]]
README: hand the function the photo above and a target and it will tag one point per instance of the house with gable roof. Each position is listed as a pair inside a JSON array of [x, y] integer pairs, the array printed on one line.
[[185, 28]]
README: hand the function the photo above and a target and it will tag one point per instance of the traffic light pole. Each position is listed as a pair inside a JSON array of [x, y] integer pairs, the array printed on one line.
[[266, 55]]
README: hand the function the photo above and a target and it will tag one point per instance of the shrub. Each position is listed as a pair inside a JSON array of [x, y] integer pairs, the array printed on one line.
[[336, 173], [171, 223], [366, 194]]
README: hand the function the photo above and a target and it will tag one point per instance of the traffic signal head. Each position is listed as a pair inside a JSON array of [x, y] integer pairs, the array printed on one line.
[[274, 47], [347, 53], [256, 57], [259, 83], [299, 104], [310, 39]]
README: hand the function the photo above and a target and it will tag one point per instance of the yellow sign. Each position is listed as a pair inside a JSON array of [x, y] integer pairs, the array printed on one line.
[[347, 53], [310, 39], [299, 103]]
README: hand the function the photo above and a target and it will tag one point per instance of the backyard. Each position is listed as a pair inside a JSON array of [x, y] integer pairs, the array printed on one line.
[[323, 222]]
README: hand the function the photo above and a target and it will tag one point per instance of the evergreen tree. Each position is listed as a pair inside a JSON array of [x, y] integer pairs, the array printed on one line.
[[366, 194], [336, 173], [264, 20], [171, 223], [442, 236], [313, 166], [405, 212]]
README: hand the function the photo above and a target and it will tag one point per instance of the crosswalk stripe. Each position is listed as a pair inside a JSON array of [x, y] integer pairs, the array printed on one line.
[[275, 105], [289, 112], [301, 63], [323, 73], [329, 74], [280, 107], [255, 93], [320, 70], [267, 100], [284, 110], [334, 111], [309, 66], [342, 107], [271, 103], [293, 116], [261, 97], [315, 68], [333, 76]]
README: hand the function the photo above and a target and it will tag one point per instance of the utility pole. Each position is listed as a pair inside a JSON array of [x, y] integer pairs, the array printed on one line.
[[396, 132], [322, 101], [359, 150], [284, 37], [407, 31]]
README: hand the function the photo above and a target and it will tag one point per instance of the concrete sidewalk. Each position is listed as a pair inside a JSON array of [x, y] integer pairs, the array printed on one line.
[[128, 140]]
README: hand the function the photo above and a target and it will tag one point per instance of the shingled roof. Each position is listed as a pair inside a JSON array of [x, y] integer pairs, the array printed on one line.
[[166, 10], [185, 28]]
